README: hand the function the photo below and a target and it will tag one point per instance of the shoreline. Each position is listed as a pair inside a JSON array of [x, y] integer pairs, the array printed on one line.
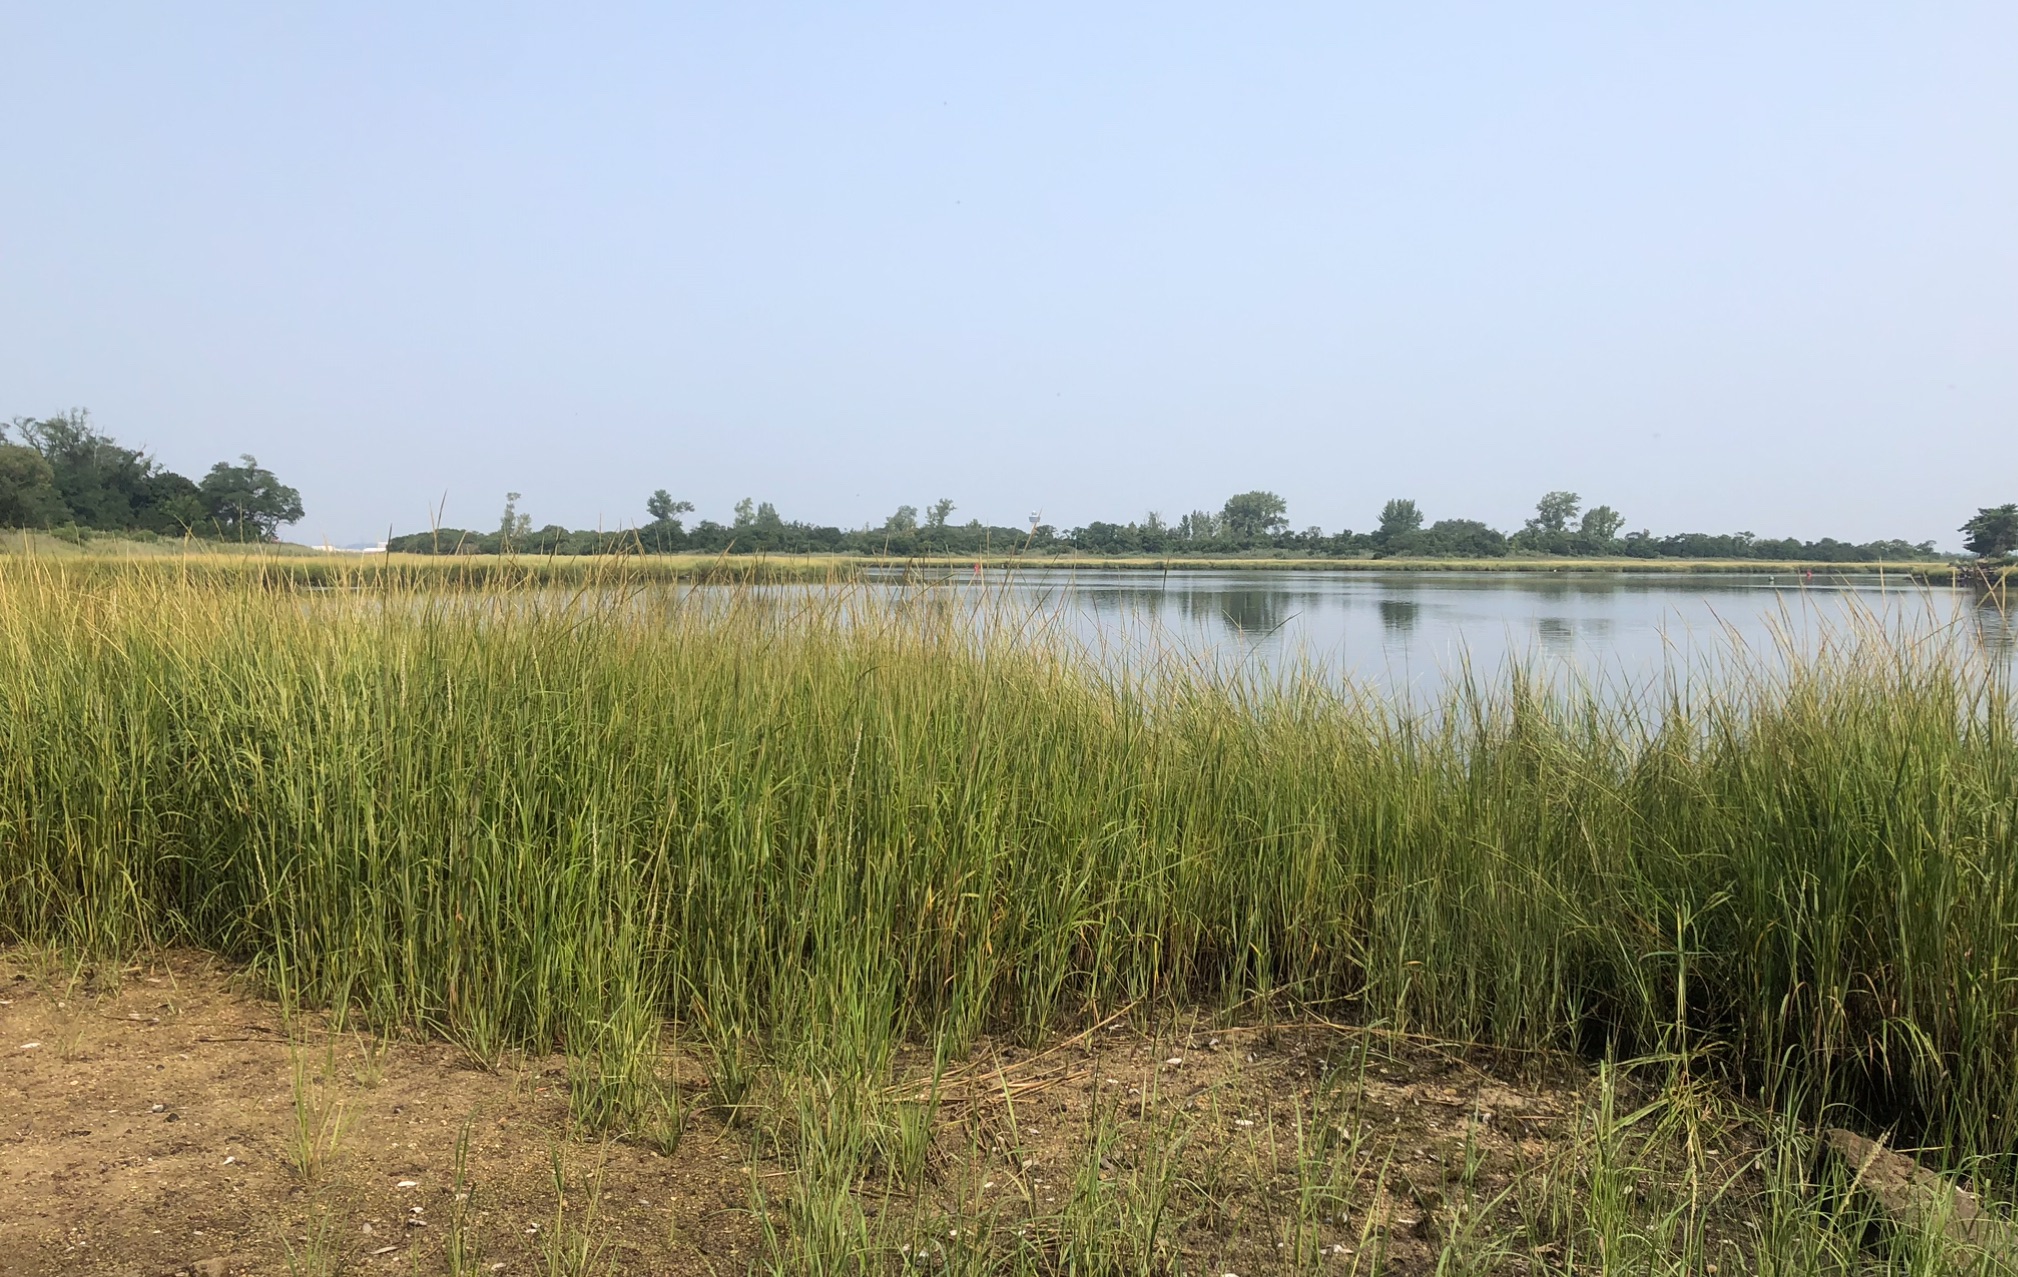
[[1621, 566], [807, 566]]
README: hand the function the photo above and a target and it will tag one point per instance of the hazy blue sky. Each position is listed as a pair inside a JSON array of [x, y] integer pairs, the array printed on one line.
[[1722, 265]]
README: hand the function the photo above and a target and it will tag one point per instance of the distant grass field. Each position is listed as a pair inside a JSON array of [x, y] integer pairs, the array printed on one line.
[[276, 564], [23, 541]]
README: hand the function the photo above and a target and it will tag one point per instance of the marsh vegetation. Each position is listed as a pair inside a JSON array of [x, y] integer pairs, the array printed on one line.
[[828, 846]]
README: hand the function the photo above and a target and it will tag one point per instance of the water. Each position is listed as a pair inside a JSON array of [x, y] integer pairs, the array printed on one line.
[[1411, 631]]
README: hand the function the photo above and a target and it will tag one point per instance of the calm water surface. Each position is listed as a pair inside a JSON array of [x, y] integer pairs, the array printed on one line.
[[1413, 630]]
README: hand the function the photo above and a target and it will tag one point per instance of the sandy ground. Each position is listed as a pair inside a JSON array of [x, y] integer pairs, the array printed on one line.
[[150, 1129], [161, 1120]]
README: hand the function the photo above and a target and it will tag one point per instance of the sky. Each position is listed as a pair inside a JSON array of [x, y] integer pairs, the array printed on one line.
[[1724, 266]]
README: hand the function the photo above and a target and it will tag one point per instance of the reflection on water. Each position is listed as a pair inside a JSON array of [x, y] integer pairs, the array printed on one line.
[[1398, 615], [1255, 612], [1996, 629], [1414, 629], [1566, 635], [1558, 635]]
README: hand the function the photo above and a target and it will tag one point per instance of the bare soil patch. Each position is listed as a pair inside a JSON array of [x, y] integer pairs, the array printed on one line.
[[160, 1119], [151, 1127]]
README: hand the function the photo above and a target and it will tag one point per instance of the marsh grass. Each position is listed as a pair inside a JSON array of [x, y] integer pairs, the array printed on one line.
[[316, 1134], [573, 1245], [296, 567], [802, 829], [462, 1252], [318, 1252]]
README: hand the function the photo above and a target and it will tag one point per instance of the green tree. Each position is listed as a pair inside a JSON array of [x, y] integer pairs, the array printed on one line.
[[184, 515], [1398, 518], [174, 505], [1600, 524], [28, 496], [1153, 535], [1252, 515], [1463, 538], [663, 509], [938, 512], [1554, 512], [249, 502], [664, 534], [905, 520], [102, 484], [513, 528], [1993, 533]]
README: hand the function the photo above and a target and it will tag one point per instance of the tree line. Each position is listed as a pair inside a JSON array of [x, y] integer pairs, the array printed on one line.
[[63, 474], [1249, 523]]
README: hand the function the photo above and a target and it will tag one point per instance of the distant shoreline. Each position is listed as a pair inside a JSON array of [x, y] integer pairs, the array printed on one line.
[[1651, 567], [807, 566]]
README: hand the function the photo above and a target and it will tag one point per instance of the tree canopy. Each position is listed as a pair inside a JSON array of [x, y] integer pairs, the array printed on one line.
[[1993, 533], [246, 501], [1398, 518], [61, 471], [1254, 514], [65, 472], [28, 495], [1554, 512], [1247, 523]]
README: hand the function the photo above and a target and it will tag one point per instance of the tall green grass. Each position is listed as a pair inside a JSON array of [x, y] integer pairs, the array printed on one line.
[[805, 828]]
